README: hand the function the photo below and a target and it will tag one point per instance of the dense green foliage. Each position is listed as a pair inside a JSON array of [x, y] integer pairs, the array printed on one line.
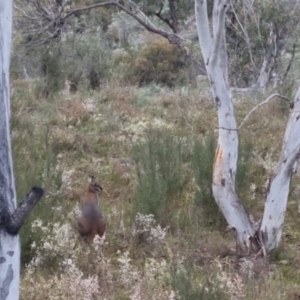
[[161, 175]]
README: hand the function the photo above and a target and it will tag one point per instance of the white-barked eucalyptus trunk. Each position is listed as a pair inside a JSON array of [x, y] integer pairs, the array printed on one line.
[[279, 186], [9, 244], [225, 163]]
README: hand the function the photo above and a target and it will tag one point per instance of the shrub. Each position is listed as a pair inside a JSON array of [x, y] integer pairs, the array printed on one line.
[[190, 284], [87, 59], [52, 73], [161, 176], [159, 62], [97, 63]]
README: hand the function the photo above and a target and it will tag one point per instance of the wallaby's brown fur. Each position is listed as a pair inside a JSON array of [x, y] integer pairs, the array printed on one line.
[[92, 220]]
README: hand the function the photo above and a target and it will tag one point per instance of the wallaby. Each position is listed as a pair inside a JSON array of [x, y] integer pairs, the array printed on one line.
[[92, 220]]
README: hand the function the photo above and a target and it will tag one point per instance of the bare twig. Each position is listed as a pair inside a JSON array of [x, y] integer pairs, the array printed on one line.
[[260, 104], [174, 15], [246, 35], [173, 22], [219, 34], [89, 7]]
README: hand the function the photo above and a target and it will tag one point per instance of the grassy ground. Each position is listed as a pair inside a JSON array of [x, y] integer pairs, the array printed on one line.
[[151, 150]]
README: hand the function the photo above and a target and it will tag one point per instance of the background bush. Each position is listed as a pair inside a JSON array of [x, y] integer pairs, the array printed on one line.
[[161, 174], [159, 62]]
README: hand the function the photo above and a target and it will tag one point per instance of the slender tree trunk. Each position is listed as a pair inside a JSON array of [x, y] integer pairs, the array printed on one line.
[[225, 163], [9, 244], [279, 186]]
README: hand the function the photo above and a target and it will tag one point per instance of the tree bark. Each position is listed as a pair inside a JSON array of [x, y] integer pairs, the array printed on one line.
[[11, 219]]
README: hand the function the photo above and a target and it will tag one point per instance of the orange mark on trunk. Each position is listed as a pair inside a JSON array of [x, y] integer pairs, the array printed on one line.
[[217, 166]]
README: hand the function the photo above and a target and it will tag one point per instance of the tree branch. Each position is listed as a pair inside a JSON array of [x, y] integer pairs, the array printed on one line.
[[174, 15], [165, 20], [17, 219], [89, 7], [219, 30], [204, 34], [245, 32], [260, 104]]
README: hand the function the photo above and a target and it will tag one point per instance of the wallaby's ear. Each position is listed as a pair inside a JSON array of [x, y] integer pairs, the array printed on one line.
[[98, 187], [91, 179]]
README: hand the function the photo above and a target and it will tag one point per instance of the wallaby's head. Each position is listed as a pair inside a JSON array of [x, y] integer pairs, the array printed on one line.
[[93, 187]]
